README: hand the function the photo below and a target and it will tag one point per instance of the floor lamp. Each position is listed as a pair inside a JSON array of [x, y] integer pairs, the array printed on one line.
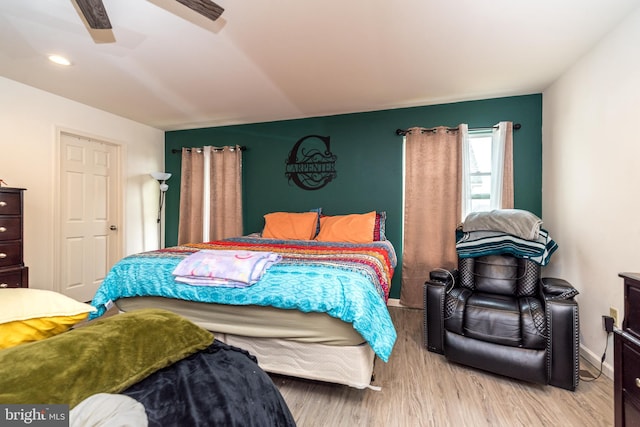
[[161, 177]]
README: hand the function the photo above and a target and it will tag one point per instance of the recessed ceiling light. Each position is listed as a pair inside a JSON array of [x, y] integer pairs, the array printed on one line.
[[61, 60]]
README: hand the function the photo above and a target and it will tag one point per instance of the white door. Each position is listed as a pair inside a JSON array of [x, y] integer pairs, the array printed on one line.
[[88, 214]]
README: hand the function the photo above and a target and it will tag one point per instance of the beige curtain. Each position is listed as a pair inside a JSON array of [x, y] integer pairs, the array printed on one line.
[[507, 167], [225, 218], [221, 217], [191, 201], [433, 161]]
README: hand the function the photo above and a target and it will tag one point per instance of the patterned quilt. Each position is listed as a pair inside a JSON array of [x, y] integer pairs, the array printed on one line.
[[347, 281]]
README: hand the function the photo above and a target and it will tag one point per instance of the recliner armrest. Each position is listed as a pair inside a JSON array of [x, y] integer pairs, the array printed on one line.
[[448, 277], [553, 288], [563, 351], [435, 290]]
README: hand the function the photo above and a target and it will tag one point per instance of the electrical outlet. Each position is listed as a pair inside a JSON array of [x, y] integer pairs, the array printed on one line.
[[613, 312]]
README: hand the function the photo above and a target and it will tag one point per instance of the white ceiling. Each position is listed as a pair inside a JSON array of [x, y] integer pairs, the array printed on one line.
[[166, 66]]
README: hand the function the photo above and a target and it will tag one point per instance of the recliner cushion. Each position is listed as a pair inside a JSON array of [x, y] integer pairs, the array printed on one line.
[[522, 363], [493, 318], [496, 274]]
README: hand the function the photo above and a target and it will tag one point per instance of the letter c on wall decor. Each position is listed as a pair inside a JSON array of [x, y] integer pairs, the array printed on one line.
[[311, 165]]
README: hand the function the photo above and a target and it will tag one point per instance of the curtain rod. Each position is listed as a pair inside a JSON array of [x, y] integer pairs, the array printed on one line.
[[179, 150], [403, 132]]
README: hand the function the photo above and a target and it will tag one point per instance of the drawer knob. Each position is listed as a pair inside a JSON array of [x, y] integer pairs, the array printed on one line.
[[3, 285], [638, 382], [3, 204], [3, 229], [2, 255]]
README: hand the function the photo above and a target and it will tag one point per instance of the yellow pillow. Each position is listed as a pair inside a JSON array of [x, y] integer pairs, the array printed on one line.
[[354, 228], [290, 226], [33, 314], [22, 331]]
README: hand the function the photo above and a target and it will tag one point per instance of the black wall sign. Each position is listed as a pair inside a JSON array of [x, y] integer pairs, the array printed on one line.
[[311, 165]]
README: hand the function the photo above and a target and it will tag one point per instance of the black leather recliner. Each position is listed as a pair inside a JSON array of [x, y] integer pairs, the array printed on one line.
[[495, 313]]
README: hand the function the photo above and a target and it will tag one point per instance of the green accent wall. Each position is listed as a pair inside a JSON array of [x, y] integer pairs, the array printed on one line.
[[369, 161]]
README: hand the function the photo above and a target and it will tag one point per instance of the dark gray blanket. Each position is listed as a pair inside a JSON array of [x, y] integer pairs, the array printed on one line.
[[218, 386]]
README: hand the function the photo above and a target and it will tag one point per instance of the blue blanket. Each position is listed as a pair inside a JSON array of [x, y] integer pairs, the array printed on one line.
[[342, 293]]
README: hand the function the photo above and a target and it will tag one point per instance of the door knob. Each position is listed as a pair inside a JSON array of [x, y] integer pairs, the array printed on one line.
[[113, 228]]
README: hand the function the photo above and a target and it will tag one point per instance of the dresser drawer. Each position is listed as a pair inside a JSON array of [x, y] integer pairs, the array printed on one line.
[[10, 228], [10, 203], [14, 279], [631, 379], [631, 415], [10, 254]]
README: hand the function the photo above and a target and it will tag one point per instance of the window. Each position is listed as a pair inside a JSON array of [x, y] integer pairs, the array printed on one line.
[[479, 171], [487, 173]]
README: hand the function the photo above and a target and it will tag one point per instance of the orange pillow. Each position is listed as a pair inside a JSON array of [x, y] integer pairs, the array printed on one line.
[[353, 228], [290, 226]]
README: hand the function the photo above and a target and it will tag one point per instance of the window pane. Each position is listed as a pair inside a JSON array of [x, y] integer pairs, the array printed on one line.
[[480, 168], [480, 205], [480, 155], [480, 186]]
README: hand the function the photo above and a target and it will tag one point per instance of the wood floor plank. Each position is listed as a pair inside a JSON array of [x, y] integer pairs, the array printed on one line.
[[420, 388]]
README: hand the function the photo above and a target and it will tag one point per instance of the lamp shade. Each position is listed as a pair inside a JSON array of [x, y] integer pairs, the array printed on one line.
[[161, 176]]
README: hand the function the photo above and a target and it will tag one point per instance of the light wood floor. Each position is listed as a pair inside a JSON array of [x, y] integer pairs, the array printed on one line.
[[420, 388]]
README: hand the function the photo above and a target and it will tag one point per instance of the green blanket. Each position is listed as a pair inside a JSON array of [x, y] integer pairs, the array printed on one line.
[[106, 356]]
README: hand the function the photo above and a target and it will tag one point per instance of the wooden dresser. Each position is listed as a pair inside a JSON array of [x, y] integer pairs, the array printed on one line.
[[13, 273], [626, 368]]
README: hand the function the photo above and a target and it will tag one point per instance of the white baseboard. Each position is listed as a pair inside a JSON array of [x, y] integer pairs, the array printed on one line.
[[394, 302], [594, 359]]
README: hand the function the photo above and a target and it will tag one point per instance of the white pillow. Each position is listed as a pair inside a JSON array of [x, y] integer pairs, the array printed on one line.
[[105, 409], [28, 303], [28, 315]]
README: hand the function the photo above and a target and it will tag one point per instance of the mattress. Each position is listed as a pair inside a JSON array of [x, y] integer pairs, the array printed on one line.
[[255, 321], [314, 346]]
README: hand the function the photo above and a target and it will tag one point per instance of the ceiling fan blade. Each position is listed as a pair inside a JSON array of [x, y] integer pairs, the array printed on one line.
[[204, 7], [95, 14]]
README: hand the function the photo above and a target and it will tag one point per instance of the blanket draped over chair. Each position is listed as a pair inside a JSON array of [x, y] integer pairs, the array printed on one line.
[[505, 231]]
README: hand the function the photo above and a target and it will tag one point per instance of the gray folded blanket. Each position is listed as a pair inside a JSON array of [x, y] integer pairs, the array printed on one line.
[[517, 222]]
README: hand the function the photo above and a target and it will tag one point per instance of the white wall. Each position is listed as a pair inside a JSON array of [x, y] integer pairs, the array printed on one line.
[[591, 177], [30, 120]]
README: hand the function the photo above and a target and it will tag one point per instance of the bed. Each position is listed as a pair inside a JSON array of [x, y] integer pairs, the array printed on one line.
[[320, 313], [145, 367]]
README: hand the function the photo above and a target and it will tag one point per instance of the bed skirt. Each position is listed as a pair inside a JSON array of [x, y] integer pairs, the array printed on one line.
[[348, 365], [331, 351]]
